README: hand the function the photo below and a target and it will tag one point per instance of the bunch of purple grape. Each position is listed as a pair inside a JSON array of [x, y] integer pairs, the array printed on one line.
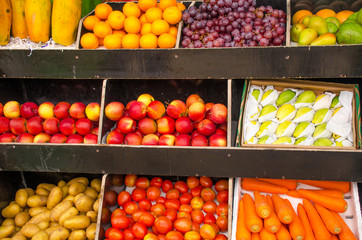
[[232, 23]]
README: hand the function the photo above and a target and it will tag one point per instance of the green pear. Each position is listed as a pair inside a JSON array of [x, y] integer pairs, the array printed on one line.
[[307, 36], [306, 97], [324, 39], [267, 127], [333, 20], [268, 109], [349, 33], [335, 102], [286, 112], [321, 131], [322, 116], [300, 140], [322, 142], [306, 20], [255, 94], [263, 139], [319, 24], [285, 97], [283, 140], [286, 128], [295, 31], [302, 113], [359, 17], [266, 94], [299, 130]]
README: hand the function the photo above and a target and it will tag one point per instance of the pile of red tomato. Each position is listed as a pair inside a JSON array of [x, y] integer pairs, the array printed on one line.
[[158, 209]]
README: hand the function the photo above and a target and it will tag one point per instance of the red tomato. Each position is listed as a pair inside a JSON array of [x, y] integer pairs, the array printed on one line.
[[183, 215], [156, 181], [206, 182], [174, 235], [171, 213], [215, 227], [192, 235], [185, 208], [209, 218], [222, 209], [120, 222], [183, 225], [139, 230], [196, 191], [154, 230], [118, 212], [136, 214], [163, 225], [172, 203], [158, 209], [130, 180], [153, 193], [222, 222], [173, 194], [209, 207], [123, 197], [220, 237], [161, 200], [128, 235], [115, 234], [138, 194], [197, 202], [195, 227], [222, 196], [181, 186], [147, 219], [150, 236], [222, 185], [142, 182], [208, 194], [131, 222], [107, 232], [192, 182], [167, 185], [145, 204], [185, 198], [197, 216], [207, 232], [130, 207], [161, 236]]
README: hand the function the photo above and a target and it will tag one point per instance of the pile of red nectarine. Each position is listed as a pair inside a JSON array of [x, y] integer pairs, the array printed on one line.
[[147, 121], [60, 123]]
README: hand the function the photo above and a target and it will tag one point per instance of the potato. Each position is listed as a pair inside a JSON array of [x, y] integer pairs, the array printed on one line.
[[58, 210], [91, 231], [54, 224], [61, 183], [21, 196], [8, 222], [37, 201], [21, 218], [84, 203], [55, 196], [26, 209], [43, 225], [11, 210], [68, 198], [70, 212], [30, 192], [6, 231], [59, 233], [43, 216], [6, 239], [36, 210], [96, 205], [78, 196], [92, 215], [30, 229], [91, 192], [42, 192], [77, 235], [18, 236], [65, 190], [3, 204], [77, 222], [83, 180], [47, 186], [76, 188], [41, 235], [96, 184]]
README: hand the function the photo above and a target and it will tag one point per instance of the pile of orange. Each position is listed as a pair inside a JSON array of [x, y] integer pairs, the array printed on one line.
[[324, 13], [146, 24]]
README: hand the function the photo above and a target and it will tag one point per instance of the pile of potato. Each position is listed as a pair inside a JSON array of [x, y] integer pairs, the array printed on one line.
[[67, 211]]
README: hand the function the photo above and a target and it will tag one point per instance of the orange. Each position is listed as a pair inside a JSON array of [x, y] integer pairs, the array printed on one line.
[[299, 14], [102, 29], [131, 9], [90, 21], [324, 13], [101, 41], [143, 18], [172, 15], [131, 41], [163, 4], [166, 40], [173, 31], [146, 28], [113, 41], [132, 25], [102, 10], [153, 14], [116, 19], [343, 15], [89, 41], [160, 26], [146, 4], [181, 6], [119, 32], [149, 40]]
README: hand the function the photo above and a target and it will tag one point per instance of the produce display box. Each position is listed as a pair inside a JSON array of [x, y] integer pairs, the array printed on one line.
[[107, 185], [352, 216], [318, 87]]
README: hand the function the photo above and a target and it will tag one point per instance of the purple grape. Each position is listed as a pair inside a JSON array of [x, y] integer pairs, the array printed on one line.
[[253, 44], [220, 3], [248, 35], [190, 20], [198, 44], [228, 3], [264, 42], [259, 14], [248, 28], [277, 41], [229, 28], [234, 5], [251, 9], [209, 44], [202, 7], [268, 34], [269, 9], [237, 38]]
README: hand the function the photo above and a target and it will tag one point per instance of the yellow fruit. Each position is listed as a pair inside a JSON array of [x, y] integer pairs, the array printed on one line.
[[173, 31], [149, 40], [143, 19], [102, 11], [119, 32], [132, 25], [166, 40], [299, 14], [89, 41], [113, 41], [131, 40], [18, 25], [131, 9], [5, 19], [172, 15], [116, 19], [160, 26], [153, 14], [146, 28], [146, 4], [38, 16], [102, 29], [90, 21], [163, 4]]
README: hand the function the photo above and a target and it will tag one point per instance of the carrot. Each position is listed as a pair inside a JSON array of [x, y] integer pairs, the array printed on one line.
[[255, 236], [332, 203], [270, 201], [265, 235], [331, 222], [242, 233], [252, 220], [262, 207], [309, 235], [342, 186], [330, 192], [334, 237], [272, 223], [252, 184], [346, 233], [288, 183], [283, 211], [296, 228], [294, 193], [283, 234], [319, 229]]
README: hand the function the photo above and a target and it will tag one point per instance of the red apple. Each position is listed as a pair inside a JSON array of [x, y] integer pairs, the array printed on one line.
[[18, 125], [90, 139], [51, 125], [197, 111], [94, 131], [147, 126], [126, 125], [218, 113], [176, 109], [125, 113], [129, 104], [58, 138], [93, 111], [137, 110], [156, 110], [217, 140], [146, 99], [183, 140], [12, 109], [83, 126], [67, 126], [138, 132], [1, 109], [35, 125], [4, 125], [7, 137], [77, 110], [199, 140], [41, 138], [167, 139], [150, 139], [132, 139], [74, 138], [29, 110], [46, 110], [206, 127], [192, 99], [61, 110], [25, 138], [223, 126], [115, 137], [220, 131], [208, 106], [195, 133], [165, 125], [114, 111], [184, 125]]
